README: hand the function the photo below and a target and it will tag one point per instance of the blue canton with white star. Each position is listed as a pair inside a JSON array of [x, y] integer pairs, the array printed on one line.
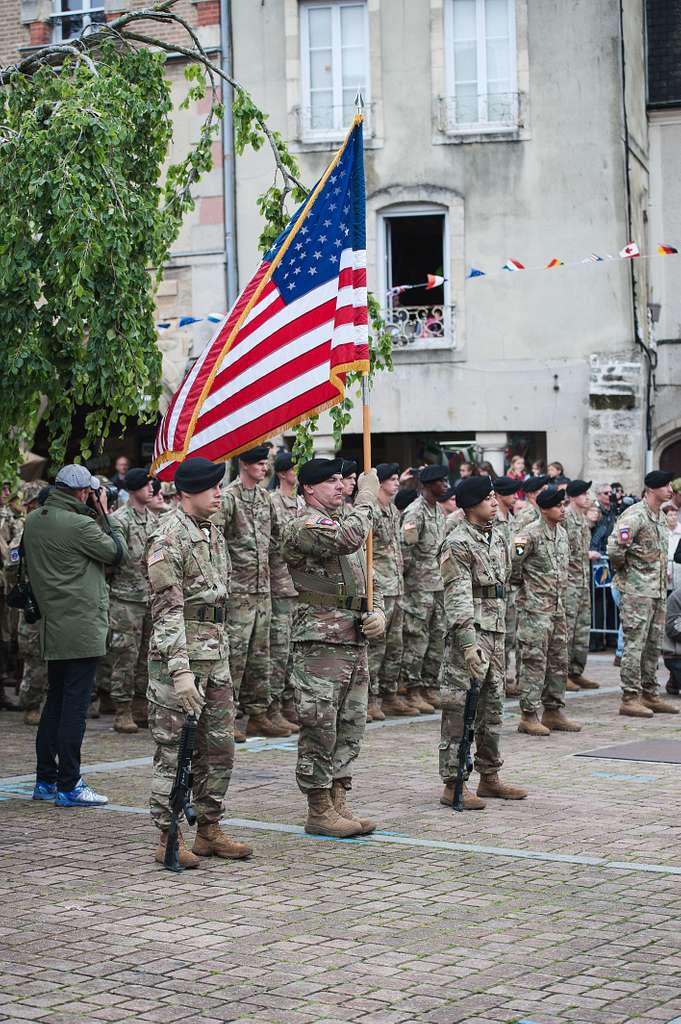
[[335, 221]]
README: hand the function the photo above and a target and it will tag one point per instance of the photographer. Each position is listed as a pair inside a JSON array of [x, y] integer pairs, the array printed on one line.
[[67, 544]]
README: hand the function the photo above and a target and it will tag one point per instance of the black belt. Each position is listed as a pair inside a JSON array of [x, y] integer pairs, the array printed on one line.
[[208, 613], [497, 592], [350, 604]]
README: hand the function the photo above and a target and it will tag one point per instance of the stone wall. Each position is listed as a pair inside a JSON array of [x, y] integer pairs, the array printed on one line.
[[616, 421]]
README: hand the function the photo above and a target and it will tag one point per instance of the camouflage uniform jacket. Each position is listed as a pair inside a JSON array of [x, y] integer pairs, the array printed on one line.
[[640, 566], [280, 578], [11, 529], [388, 559], [579, 538], [540, 567], [325, 553], [527, 515], [423, 530], [248, 522], [453, 520], [506, 528], [129, 582], [189, 570], [475, 566]]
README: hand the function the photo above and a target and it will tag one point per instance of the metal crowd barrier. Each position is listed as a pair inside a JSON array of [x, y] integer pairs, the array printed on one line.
[[605, 614]]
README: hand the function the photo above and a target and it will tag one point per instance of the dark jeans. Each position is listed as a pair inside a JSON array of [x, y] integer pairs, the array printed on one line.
[[62, 723]]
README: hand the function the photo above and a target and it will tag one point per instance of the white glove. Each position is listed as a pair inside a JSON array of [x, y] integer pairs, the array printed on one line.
[[187, 693], [373, 624], [474, 662], [367, 485]]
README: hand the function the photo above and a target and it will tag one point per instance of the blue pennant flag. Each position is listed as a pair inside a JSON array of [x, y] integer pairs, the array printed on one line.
[[474, 272]]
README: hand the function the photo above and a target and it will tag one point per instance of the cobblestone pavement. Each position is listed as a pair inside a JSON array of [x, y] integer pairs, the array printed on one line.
[[561, 909]]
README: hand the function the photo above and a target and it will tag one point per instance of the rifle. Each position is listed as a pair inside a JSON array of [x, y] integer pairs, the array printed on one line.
[[180, 795], [465, 762]]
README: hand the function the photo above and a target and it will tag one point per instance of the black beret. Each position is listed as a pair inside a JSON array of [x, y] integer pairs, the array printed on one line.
[[577, 487], [472, 490], [195, 475], [534, 483], [505, 485], [404, 498], [387, 469], [135, 479], [551, 497], [316, 471], [255, 454], [432, 473], [449, 493], [349, 466], [658, 478], [282, 462]]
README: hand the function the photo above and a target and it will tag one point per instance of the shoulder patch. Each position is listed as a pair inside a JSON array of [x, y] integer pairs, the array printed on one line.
[[14, 555], [155, 556]]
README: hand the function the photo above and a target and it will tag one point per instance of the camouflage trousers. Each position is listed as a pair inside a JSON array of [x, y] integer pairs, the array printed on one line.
[[454, 685], [423, 638], [643, 621], [33, 686], [510, 659], [214, 755], [280, 649], [129, 632], [248, 625], [9, 625], [331, 685], [385, 652], [542, 671], [578, 620]]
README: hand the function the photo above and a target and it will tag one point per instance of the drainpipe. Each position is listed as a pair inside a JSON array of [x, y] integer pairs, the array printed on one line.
[[228, 176]]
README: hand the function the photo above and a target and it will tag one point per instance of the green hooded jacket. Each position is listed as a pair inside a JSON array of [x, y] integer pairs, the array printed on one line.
[[66, 552]]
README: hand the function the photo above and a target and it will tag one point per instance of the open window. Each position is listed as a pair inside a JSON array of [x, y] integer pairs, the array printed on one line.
[[416, 289]]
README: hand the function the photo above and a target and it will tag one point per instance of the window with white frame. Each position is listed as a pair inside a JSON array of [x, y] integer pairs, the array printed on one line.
[[335, 65], [480, 46], [70, 17]]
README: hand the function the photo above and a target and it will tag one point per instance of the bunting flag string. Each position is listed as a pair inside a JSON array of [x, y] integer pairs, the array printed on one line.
[[433, 281], [629, 252], [187, 321]]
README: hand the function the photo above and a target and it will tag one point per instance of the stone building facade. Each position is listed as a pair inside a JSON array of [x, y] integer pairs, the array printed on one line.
[[495, 129]]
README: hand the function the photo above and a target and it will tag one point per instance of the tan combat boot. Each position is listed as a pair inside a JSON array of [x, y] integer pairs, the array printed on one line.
[[123, 721], [571, 685], [375, 710], [471, 802], [394, 705], [432, 696], [633, 708], [211, 841], [584, 683], [324, 820], [140, 712], [531, 726], [275, 716], [338, 797], [32, 716], [490, 785], [239, 730], [185, 856], [657, 705], [416, 699], [261, 725], [288, 710], [557, 721]]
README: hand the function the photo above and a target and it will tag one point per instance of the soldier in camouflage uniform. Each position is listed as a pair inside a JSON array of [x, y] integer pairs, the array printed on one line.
[[637, 549], [285, 505], [129, 618], [423, 530], [325, 553], [250, 528], [385, 652], [475, 564], [189, 570], [540, 568], [11, 528], [532, 487], [505, 489], [578, 600]]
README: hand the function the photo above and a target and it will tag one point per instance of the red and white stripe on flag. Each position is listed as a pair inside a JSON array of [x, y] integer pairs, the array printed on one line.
[[282, 353]]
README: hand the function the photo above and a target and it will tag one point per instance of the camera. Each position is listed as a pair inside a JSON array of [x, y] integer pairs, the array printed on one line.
[[93, 498]]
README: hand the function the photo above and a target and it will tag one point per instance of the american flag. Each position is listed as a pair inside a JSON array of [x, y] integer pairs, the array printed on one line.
[[282, 352]]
